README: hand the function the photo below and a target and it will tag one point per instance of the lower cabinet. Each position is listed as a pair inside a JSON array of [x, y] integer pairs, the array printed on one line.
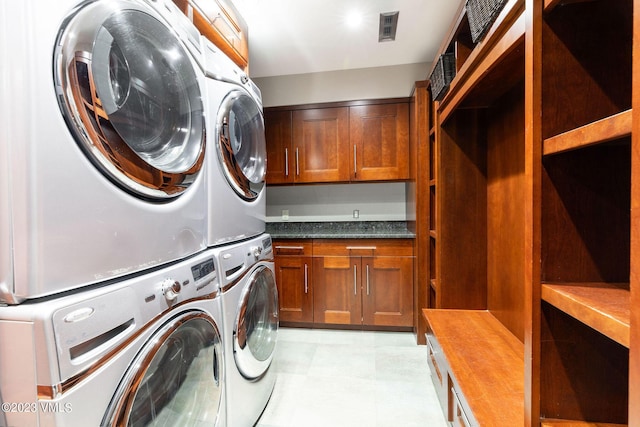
[[346, 282], [293, 278]]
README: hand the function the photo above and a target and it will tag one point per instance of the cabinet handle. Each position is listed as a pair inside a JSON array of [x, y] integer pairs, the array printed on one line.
[[297, 162], [465, 420], [286, 162], [355, 280], [291, 248], [361, 248], [355, 160], [368, 293], [306, 278]]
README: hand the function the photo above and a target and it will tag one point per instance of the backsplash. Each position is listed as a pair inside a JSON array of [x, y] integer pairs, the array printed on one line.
[[337, 202]]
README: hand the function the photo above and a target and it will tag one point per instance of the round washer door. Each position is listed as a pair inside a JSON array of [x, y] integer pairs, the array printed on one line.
[[242, 149], [182, 360], [129, 93], [256, 327]]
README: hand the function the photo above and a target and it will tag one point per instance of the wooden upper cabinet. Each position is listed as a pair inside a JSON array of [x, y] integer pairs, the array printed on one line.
[[338, 142], [379, 136], [220, 22], [280, 156], [320, 144]]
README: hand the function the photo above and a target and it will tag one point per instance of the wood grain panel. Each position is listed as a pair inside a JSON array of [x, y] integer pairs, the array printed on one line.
[[583, 373], [280, 155], [337, 297], [505, 211]]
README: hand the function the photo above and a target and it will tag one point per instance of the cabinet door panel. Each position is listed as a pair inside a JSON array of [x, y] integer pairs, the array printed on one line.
[[295, 293], [388, 291], [379, 142], [320, 144], [337, 290], [277, 128]]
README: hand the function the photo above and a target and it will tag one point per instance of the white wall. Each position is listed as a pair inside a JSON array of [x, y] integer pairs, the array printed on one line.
[[336, 202], [346, 85]]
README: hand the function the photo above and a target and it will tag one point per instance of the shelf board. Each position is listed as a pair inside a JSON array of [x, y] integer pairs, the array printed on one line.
[[607, 129], [434, 284], [433, 234], [432, 183], [569, 423], [604, 307]]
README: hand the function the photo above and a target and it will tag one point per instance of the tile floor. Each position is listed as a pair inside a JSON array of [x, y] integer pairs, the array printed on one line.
[[351, 379]]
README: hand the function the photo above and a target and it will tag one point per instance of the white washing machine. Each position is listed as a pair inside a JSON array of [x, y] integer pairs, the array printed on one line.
[[250, 311], [102, 142], [146, 351], [237, 151]]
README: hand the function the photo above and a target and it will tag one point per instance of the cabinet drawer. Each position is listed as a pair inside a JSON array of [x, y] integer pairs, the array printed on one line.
[[363, 247], [460, 415], [292, 247]]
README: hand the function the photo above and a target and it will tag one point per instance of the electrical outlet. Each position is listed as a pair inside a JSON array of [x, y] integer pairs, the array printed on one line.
[[356, 213], [285, 214]]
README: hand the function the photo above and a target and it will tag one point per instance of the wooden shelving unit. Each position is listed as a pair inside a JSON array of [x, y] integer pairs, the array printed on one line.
[[537, 208]]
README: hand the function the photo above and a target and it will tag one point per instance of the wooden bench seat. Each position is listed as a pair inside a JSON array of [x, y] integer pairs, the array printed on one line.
[[483, 363]]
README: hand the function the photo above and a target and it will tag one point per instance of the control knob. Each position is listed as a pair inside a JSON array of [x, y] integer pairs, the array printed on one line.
[[257, 250], [171, 288]]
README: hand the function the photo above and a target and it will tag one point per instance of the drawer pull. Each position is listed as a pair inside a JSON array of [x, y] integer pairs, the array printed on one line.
[[286, 162], [291, 248], [368, 290], [355, 280], [361, 248]]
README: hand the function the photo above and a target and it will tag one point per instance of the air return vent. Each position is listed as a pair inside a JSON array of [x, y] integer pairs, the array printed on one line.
[[388, 25]]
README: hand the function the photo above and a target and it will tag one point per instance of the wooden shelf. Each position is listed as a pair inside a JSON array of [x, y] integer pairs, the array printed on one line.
[[604, 307], [569, 423], [432, 183], [433, 284], [607, 129], [433, 234]]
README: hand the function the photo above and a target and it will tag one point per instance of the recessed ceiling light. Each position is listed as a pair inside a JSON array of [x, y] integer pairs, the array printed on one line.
[[354, 19]]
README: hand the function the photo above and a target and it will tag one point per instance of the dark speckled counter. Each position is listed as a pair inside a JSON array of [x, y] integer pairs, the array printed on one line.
[[340, 230]]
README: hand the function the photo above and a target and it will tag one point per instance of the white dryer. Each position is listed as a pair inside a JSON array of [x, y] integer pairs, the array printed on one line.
[[250, 311], [237, 151], [102, 142], [145, 351]]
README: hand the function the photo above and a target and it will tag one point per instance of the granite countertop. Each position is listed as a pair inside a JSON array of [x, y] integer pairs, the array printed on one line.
[[340, 230]]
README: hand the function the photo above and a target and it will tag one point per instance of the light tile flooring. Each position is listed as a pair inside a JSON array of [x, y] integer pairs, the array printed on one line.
[[351, 379]]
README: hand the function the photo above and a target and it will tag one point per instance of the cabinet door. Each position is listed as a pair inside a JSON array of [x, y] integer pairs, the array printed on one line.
[[337, 295], [295, 293], [387, 291], [379, 136], [320, 143], [277, 128], [220, 22]]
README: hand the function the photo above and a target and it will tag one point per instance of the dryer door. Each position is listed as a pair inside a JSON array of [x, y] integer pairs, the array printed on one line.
[[256, 327], [176, 378], [129, 92], [242, 149]]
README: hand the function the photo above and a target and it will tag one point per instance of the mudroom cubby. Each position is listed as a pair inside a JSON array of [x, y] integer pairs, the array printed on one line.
[[477, 226]]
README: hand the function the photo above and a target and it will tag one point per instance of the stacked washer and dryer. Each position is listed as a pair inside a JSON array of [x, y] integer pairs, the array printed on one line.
[[118, 303]]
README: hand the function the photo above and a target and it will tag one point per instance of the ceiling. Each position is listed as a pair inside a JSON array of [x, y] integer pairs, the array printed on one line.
[[307, 36]]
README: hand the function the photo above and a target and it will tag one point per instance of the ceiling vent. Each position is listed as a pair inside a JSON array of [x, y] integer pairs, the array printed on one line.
[[388, 26]]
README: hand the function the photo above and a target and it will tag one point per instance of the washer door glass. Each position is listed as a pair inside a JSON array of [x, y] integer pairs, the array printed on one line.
[[256, 327], [129, 92], [175, 380], [242, 149]]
